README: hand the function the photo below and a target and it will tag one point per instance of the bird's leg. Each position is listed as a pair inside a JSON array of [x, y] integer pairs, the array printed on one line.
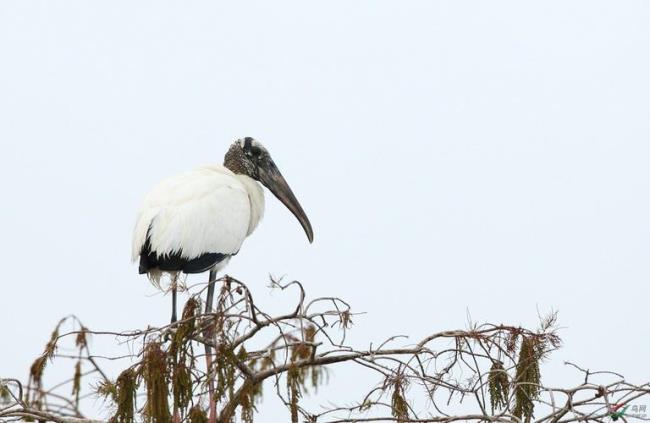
[[174, 298], [211, 282], [208, 350], [176, 416], [174, 304]]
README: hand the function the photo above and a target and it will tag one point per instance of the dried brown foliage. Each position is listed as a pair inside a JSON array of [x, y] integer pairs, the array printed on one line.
[[490, 372]]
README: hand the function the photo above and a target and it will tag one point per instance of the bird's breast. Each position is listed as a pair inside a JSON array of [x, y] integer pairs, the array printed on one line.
[[256, 199]]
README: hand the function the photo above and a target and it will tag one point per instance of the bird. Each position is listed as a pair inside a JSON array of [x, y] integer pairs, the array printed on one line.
[[195, 222]]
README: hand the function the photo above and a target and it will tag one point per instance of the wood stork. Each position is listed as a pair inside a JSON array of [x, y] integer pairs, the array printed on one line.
[[195, 222]]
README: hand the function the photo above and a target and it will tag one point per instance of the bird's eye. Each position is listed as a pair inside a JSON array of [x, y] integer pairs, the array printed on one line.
[[250, 149]]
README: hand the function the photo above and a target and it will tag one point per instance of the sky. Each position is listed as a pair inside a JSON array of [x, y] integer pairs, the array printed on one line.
[[456, 158]]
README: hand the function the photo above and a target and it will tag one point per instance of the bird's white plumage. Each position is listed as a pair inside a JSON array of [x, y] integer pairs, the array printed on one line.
[[207, 210]]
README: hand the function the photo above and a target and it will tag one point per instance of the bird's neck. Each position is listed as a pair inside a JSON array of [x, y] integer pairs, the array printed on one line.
[[235, 161]]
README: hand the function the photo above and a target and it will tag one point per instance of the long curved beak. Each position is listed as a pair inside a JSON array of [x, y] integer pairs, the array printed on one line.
[[271, 178]]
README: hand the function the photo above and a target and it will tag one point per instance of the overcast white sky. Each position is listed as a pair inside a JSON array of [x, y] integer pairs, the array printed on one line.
[[454, 157]]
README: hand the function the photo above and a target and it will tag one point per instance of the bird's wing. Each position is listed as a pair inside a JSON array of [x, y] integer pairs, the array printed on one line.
[[206, 210]]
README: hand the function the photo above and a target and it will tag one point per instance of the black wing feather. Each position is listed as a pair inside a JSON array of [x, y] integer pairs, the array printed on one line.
[[150, 260]]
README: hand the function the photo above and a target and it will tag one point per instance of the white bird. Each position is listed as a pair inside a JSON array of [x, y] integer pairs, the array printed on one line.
[[195, 222]]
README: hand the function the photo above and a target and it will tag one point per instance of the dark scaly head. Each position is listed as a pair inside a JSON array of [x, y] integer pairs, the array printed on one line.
[[248, 156]]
